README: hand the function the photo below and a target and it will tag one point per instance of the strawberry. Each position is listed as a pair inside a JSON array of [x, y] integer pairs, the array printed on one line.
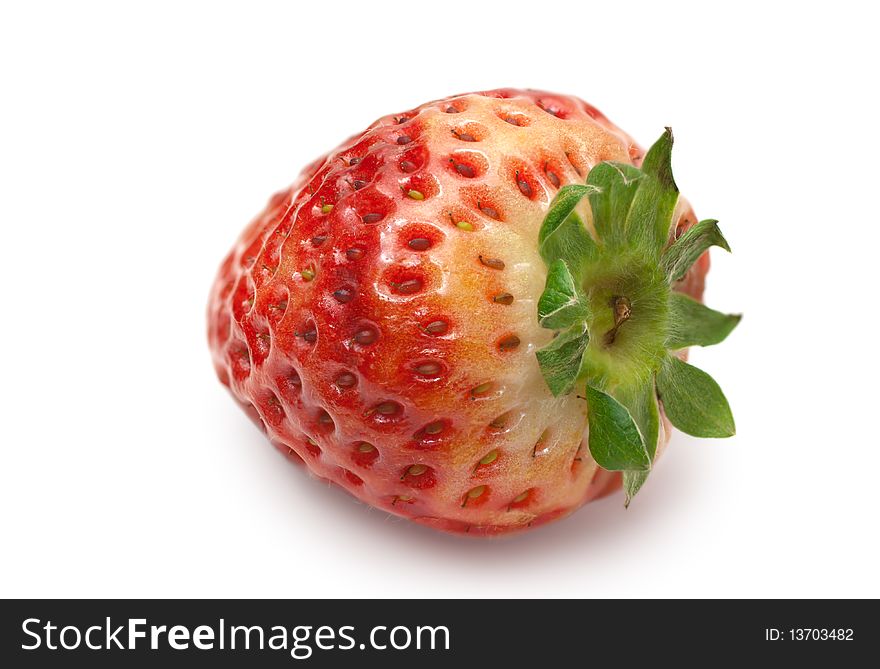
[[466, 314]]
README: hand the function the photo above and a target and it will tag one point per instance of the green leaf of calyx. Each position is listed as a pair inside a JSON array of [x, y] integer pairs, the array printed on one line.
[[694, 324], [679, 257], [561, 304], [650, 216], [632, 483], [615, 442], [693, 401], [641, 401], [563, 235], [560, 360], [615, 187]]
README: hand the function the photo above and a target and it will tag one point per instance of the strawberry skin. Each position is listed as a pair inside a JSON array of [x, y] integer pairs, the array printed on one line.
[[378, 319]]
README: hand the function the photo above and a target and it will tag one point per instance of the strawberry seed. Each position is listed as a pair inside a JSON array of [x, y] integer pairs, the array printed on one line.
[[493, 263], [419, 244]]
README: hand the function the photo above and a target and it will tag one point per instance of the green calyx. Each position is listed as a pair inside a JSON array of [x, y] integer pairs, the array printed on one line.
[[610, 296]]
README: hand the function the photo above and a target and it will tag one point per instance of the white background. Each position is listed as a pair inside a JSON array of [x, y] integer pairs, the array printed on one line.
[[137, 142]]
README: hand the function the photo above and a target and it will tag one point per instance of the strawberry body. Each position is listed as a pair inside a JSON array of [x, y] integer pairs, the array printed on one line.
[[379, 317]]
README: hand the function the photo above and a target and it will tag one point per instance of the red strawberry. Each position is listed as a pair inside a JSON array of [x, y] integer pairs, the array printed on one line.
[[382, 316]]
